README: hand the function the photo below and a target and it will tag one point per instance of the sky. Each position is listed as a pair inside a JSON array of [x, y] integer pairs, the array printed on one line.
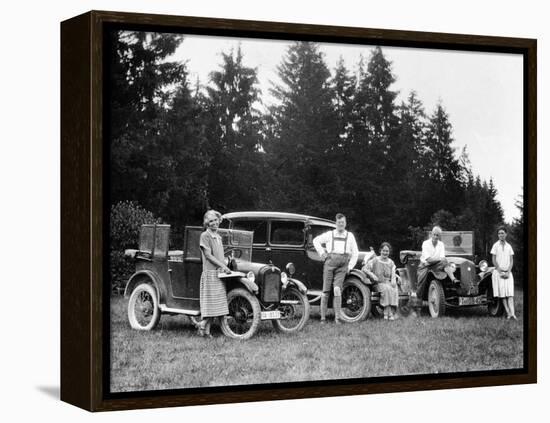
[[481, 92]]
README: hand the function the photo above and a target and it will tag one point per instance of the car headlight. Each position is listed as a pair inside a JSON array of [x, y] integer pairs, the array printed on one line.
[[250, 276], [290, 268], [483, 265], [284, 278], [453, 267]]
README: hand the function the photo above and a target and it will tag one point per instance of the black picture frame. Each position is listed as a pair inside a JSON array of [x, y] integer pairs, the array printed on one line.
[[84, 179]]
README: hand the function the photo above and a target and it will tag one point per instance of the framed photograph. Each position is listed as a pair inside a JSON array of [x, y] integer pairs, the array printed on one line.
[[256, 211]]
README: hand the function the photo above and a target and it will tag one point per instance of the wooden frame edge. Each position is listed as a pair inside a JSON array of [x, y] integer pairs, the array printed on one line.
[[82, 208]]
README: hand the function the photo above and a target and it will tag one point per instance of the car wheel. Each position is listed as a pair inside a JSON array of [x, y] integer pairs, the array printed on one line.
[[495, 308], [294, 310], [244, 315], [404, 309], [377, 310], [356, 303], [143, 307], [436, 299]]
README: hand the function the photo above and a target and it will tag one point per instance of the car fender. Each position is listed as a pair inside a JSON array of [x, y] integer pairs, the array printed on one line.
[[249, 285], [359, 274], [486, 279], [298, 284], [148, 276]]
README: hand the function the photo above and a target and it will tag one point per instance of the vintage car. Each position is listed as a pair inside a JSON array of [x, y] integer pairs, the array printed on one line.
[[439, 293], [286, 240], [168, 282]]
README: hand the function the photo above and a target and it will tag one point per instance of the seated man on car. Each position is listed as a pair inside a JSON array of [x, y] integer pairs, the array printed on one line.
[[433, 258]]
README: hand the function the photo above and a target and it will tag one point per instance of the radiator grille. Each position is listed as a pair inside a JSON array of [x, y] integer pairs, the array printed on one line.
[[271, 287]]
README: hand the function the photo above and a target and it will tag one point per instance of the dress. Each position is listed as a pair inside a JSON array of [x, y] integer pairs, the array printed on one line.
[[502, 287], [213, 296], [385, 272]]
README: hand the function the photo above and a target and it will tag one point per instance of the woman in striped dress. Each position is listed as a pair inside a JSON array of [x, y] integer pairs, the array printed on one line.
[[213, 297]]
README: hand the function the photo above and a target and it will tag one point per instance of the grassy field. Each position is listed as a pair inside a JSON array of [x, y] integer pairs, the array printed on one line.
[[173, 356]]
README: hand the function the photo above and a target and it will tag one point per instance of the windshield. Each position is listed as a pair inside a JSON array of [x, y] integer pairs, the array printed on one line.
[[458, 242], [237, 243]]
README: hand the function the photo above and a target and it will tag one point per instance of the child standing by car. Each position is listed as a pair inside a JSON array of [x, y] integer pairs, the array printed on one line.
[[213, 297], [503, 280]]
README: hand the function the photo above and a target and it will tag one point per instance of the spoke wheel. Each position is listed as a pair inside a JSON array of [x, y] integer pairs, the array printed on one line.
[[143, 310], [244, 315], [436, 299], [356, 303], [294, 310], [494, 305]]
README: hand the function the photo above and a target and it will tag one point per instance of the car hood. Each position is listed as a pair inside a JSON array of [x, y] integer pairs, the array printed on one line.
[[250, 266]]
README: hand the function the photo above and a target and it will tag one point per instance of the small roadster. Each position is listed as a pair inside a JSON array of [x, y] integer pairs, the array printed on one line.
[[168, 282], [439, 293]]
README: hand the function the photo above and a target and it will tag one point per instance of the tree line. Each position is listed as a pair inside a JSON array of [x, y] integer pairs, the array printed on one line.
[[333, 140]]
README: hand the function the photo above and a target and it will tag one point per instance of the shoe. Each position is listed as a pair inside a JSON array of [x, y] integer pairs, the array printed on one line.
[[323, 321], [514, 317], [337, 322], [392, 318], [201, 328], [386, 317]]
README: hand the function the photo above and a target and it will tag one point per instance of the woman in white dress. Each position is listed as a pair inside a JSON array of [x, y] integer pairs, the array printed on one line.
[[503, 279]]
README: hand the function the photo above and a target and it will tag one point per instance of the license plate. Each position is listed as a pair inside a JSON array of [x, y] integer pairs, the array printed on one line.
[[270, 315], [470, 300]]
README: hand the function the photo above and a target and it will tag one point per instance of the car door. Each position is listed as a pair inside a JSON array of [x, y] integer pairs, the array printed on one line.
[[260, 250], [185, 277], [314, 262], [287, 243]]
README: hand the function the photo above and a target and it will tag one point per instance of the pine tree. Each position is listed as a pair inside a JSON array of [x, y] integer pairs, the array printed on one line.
[[304, 129], [234, 133], [443, 176], [343, 87], [139, 80]]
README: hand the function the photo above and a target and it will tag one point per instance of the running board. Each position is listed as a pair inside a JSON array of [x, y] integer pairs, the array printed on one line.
[[165, 309]]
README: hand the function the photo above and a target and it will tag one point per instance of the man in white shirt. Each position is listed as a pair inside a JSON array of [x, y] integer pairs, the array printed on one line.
[[433, 258], [338, 249]]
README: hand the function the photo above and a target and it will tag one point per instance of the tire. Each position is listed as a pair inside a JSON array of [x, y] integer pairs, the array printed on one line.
[[404, 309], [377, 310], [356, 303], [295, 315], [244, 315], [495, 308], [143, 307], [436, 299]]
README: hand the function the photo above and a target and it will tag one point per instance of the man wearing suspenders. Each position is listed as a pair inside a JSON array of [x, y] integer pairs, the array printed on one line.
[[339, 251]]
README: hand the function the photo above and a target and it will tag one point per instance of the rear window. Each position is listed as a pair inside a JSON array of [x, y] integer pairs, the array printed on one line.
[[287, 233], [259, 227], [317, 230]]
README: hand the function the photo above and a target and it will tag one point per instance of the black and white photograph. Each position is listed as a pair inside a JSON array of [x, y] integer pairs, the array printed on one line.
[[286, 211]]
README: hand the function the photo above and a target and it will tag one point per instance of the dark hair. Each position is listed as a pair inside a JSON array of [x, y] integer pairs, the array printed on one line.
[[502, 228], [385, 244], [340, 216], [457, 240]]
